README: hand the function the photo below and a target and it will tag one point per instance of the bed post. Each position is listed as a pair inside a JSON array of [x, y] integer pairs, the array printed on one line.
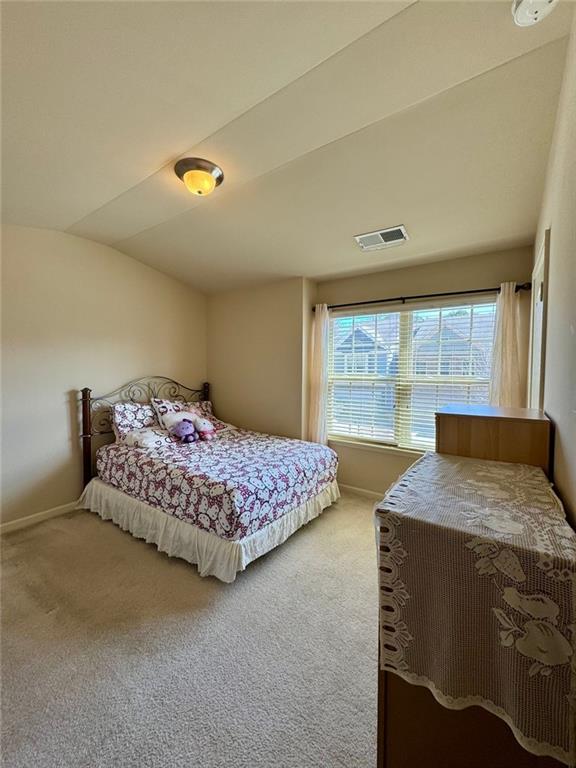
[[205, 391], [86, 436]]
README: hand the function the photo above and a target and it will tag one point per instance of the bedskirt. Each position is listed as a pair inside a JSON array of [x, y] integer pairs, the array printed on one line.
[[214, 556]]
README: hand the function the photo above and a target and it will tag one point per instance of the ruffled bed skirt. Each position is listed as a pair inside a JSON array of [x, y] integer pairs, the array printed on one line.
[[213, 556]]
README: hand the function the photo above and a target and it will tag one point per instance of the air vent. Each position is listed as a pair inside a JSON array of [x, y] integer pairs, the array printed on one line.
[[382, 238]]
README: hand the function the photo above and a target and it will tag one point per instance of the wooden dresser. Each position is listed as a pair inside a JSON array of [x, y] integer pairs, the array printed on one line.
[[519, 435], [413, 728]]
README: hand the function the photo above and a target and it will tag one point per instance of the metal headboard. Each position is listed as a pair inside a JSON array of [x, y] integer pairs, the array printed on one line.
[[97, 411]]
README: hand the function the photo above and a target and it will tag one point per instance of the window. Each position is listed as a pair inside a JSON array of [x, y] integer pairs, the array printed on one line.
[[390, 371]]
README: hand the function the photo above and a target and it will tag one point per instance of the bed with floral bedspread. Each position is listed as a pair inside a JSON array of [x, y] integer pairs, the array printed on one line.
[[220, 503]]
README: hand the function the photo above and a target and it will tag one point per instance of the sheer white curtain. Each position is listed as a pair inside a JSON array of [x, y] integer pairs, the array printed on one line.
[[506, 382], [317, 431]]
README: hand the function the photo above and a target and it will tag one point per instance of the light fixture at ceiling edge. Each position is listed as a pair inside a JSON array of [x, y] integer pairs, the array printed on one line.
[[526, 13], [200, 177]]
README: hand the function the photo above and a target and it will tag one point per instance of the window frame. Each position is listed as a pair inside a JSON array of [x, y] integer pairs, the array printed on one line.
[[405, 379]]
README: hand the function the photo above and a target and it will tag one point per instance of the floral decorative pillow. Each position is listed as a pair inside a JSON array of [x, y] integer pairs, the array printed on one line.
[[202, 408], [126, 417], [205, 410], [163, 407]]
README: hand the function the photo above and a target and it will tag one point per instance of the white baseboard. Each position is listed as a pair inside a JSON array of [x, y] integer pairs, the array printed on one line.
[[362, 491], [37, 517]]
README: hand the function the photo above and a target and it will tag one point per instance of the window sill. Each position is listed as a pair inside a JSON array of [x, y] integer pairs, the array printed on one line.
[[376, 447]]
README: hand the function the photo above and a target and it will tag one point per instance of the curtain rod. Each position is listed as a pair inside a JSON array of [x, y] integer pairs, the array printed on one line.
[[404, 299]]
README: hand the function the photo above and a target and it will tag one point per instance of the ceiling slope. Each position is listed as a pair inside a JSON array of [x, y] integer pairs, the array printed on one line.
[[329, 118], [462, 172], [425, 50], [97, 96]]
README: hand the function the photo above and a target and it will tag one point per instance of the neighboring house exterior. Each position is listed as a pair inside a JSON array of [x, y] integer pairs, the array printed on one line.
[[435, 353], [364, 404], [449, 353], [368, 407], [360, 353]]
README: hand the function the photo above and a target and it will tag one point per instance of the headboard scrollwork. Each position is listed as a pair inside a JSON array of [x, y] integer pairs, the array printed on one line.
[[97, 411]]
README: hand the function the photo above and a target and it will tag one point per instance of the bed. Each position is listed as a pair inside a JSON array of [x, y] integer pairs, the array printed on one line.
[[218, 504]]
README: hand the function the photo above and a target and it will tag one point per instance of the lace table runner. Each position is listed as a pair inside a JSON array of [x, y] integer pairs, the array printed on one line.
[[477, 568]]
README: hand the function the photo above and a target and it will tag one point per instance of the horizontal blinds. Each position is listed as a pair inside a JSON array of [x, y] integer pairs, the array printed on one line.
[[389, 371]]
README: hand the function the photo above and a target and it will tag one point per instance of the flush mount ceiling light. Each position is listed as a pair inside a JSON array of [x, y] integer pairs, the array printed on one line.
[[200, 177], [529, 12]]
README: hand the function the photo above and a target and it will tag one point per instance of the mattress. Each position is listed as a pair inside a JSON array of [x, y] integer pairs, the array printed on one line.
[[232, 486]]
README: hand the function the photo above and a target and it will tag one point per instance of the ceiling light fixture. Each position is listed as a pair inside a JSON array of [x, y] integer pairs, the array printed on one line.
[[200, 177], [526, 13]]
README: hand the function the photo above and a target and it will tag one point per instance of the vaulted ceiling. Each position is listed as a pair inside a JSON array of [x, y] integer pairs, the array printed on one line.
[[329, 119]]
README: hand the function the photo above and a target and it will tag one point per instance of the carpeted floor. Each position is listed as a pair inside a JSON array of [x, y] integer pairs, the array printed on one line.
[[116, 655]]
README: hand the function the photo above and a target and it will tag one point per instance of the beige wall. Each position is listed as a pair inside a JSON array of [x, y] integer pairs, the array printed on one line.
[[376, 468], [256, 356], [258, 347], [78, 314], [135, 321], [371, 468], [468, 273], [559, 213]]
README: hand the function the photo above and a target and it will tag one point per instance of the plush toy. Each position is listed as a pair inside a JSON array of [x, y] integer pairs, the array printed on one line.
[[204, 428], [185, 431]]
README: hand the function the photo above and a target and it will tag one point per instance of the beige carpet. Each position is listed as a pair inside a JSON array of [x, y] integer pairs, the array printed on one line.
[[116, 655]]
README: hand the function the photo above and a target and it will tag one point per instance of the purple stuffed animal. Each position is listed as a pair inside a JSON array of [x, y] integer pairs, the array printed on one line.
[[185, 431]]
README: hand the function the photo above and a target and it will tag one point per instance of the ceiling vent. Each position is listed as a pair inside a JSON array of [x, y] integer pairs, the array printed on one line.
[[382, 238]]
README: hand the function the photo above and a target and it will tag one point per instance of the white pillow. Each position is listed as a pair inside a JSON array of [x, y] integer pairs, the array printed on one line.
[[170, 419], [202, 408], [147, 438]]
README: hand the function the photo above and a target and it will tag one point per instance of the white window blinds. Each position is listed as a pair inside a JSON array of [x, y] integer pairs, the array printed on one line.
[[390, 370]]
